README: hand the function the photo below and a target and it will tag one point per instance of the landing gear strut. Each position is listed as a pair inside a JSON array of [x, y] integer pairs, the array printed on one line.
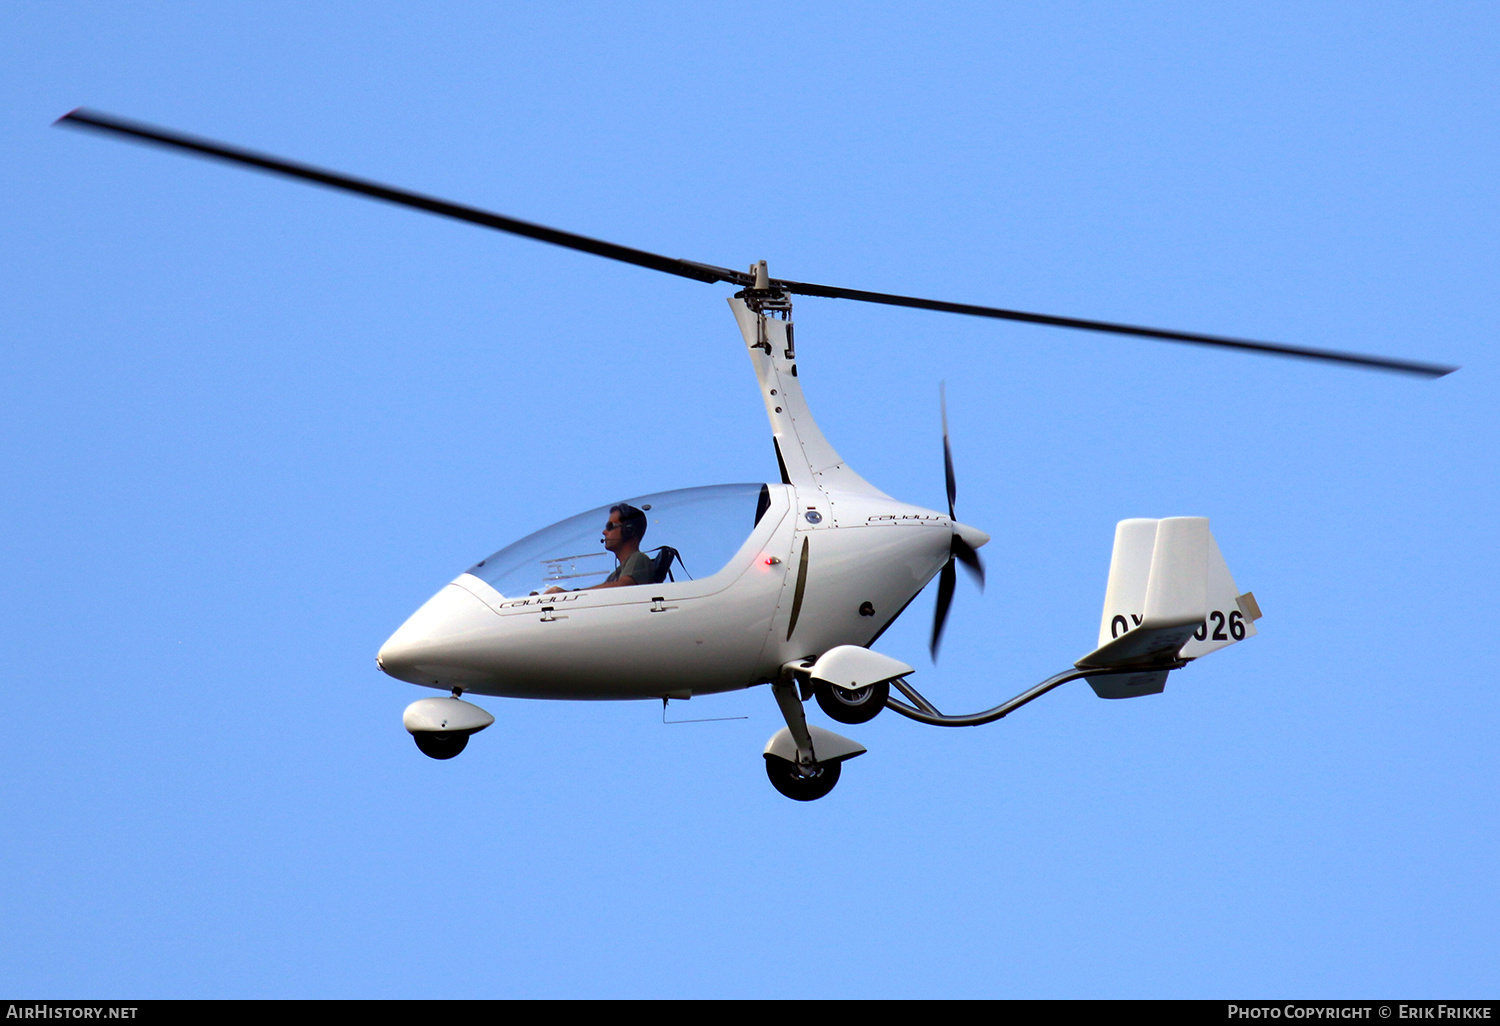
[[803, 761]]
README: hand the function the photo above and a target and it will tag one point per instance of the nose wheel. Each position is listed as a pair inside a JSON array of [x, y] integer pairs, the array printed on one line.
[[441, 726], [436, 745]]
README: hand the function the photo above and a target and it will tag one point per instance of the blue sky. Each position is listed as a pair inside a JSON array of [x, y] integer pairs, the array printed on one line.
[[250, 425]]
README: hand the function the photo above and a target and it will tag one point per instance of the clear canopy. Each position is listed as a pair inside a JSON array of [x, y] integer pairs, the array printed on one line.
[[705, 527]]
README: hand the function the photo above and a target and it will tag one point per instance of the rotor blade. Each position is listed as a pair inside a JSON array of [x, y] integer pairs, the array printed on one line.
[[970, 558], [946, 582], [1430, 370], [96, 121]]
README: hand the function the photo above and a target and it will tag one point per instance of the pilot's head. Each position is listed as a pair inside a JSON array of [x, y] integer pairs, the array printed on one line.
[[626, 525]]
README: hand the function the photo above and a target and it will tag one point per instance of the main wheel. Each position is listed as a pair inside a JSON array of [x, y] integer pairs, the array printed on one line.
[[786, 779], [847, 706], [440, 745]]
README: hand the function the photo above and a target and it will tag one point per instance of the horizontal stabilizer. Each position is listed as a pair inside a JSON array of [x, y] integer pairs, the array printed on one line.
[[1170, 597], [1129, 685]]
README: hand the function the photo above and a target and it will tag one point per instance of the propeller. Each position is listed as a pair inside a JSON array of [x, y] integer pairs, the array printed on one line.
[[959, 550], [99, 122]]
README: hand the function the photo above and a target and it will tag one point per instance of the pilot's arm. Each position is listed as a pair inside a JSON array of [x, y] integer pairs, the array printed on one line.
[[636, 569]]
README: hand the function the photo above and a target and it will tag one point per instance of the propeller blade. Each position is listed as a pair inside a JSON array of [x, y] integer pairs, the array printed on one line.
[[96, 121], [100, 122], [970, 558], [1429, 370], [947, 451], [946, 582]]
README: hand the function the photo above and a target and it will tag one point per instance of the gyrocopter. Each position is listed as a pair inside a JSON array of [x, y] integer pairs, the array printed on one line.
[[788, 583]]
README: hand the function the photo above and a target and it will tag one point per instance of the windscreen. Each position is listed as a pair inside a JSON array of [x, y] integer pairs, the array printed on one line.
[[705, 526]]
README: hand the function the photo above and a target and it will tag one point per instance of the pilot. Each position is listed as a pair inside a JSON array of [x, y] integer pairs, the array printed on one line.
[[622, 536]]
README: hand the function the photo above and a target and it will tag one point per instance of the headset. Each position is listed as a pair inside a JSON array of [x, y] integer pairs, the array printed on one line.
[[632, 521]]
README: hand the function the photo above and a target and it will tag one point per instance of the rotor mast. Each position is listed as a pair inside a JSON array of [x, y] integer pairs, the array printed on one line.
[[803, 454]]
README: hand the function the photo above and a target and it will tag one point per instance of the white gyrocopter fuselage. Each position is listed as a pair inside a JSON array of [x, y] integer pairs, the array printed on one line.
[[780, 574], [783, 584]]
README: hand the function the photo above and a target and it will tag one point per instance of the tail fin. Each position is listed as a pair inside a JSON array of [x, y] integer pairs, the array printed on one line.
[[1169, 597]]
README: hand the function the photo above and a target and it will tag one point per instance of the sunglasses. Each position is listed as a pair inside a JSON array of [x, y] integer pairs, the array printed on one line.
[[612, 527]]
